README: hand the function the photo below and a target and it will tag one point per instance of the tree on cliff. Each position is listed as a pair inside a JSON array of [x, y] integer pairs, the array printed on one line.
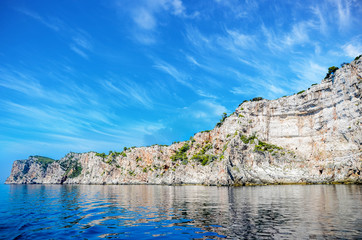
[[331, 71]]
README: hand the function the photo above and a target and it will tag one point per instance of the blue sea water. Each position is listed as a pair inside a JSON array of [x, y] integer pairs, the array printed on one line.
[[180, 212]]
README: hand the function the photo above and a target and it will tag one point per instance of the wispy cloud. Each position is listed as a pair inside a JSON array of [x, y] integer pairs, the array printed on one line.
[[240, 40], [204, 109], [235, 43], [52, 23], [197, 39], [132, 91], [298, 34], [353, 48], [314, 74], [173, 72], [25, 83], [146, 16], [192, 60], [20, 82], [202, 93], [237, 10], [144, 19], [78, 51], [344, 13], [80, 41], [322, 22]]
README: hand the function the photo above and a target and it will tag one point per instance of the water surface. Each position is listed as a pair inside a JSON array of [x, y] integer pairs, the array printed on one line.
[[180, 212]]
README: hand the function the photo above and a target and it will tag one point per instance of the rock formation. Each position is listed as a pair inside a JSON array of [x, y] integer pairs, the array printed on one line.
[[311, 137]]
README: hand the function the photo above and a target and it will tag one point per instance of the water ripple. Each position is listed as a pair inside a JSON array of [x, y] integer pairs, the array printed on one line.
[[182, 212]]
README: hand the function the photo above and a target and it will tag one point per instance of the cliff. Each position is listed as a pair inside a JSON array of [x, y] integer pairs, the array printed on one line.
[[311, 137]]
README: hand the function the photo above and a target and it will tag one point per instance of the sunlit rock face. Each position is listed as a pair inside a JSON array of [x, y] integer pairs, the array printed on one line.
[[311, 137]]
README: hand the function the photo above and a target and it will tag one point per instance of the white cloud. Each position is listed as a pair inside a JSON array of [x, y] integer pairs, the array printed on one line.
[[344, 13], [298, 34], [78, 51], [27, 84], [146, 127], [353, 48], [204, 109], [197, 39], [323, 27], [144, 19], [276, 90], [131, 90], [240, 39], [82, 41], [240, 91], [20, 82], [192, 60], [307, 73], [54, 24], [144, 37], [178, 8], [205, 94], [145, 14], [237, 9], [172, 71], [272, 41]]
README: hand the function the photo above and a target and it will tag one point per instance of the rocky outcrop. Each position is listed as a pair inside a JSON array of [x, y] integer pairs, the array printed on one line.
[[311, 137]]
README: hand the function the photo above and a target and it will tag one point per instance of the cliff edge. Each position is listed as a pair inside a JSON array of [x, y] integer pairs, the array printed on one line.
[[311, 137]]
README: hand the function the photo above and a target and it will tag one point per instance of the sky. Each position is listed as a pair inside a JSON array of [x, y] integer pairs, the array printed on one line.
[[100, 75]]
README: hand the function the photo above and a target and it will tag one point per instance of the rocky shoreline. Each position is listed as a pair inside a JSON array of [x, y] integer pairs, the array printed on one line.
[[311, 137]]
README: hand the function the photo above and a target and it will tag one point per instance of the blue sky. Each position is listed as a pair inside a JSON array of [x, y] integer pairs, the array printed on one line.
[[100, 75]]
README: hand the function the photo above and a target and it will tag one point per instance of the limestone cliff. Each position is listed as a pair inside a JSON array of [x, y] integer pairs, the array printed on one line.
[[311, 137]]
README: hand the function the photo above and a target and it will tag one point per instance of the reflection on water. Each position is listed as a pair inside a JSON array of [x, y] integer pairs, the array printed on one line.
[[180, 212]]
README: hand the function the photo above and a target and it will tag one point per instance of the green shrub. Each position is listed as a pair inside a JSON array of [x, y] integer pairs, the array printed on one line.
[[44, 161], [263, 146], [358, 57], [181, 153], [225, 147], [314, 84], [243, 102], [331, 71], [185, 161], [102, 155], [256, 99], [204, 159], [247, 140], [223, 117], [301, 92], [77, 170], [205, 131], [205, 148]]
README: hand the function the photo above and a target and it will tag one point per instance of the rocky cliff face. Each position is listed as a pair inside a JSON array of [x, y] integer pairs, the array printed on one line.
[[311, 137]]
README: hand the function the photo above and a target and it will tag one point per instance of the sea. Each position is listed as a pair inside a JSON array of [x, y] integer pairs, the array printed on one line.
[[180, 212]]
